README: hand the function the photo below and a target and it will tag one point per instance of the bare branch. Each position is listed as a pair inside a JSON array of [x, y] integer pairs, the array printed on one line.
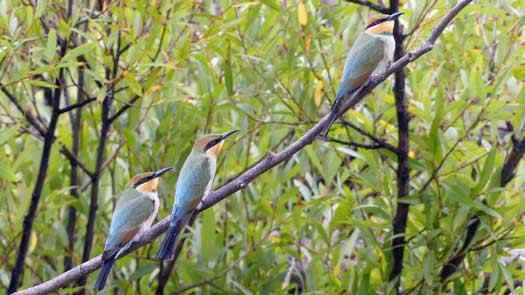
[[355, 144], [372, 137], [123, 109], [399, 223], [77, 105]]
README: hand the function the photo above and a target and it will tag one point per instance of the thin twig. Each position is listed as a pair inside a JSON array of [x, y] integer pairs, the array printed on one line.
[[383, 143]]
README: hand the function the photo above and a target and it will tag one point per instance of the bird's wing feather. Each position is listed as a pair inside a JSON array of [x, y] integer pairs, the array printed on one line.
[[193, 181], [132, 210], [363, 58]]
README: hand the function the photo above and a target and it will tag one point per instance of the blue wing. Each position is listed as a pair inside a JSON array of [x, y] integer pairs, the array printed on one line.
[[363, 58], [194, 179], [132, 210]]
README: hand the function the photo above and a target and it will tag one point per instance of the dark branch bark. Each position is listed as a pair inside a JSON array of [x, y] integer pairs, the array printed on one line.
[[355, 144], [123, 109], [76, 130], [374, 6], [512, 161], [77, 105], [101, 148], [270, 161], [105, 128], [18, 269], [399, 222], [375, 139], [49, 138]]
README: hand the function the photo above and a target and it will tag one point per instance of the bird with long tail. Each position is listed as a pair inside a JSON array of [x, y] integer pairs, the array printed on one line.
[[194, 181], [371, 54], [134, 213]]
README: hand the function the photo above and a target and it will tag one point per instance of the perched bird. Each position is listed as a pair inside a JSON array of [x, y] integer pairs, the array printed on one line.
[[371, 54], [195, 180], [134, 213]]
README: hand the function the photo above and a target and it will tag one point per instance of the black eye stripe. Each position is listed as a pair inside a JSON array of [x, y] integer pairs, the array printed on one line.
[[143, 180], [377, 21], [212, 143]]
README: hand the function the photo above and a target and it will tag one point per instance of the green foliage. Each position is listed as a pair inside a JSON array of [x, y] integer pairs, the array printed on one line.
[[320, 222]]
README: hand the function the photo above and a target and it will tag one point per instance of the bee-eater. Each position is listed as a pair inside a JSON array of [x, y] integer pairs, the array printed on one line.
[[194, 181], [134, 213], [371, 54]]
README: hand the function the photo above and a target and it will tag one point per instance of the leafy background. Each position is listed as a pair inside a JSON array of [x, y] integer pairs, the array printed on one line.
[[319, 223]]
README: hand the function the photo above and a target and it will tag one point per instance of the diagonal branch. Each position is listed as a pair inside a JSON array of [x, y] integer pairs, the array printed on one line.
[[123, 109], [380, 142], [355, 144], [374, 6], [77, 105], [268, 162]]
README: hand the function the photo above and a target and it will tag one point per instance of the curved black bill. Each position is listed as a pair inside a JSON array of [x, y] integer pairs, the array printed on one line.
[[395, 15], [159, 173], [228, 134], [219, 139]]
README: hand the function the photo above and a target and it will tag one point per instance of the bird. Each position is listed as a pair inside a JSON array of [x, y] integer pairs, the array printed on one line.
[[371, 54], [134, 213], [194, 181]]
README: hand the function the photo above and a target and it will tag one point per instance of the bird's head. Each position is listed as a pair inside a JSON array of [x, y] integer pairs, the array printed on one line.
[[211, 144], [148, 182], [384, 25]]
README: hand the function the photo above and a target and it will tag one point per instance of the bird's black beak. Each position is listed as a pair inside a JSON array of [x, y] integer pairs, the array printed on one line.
[[162, 171], [394, 16], [228, 134], [219, 139]]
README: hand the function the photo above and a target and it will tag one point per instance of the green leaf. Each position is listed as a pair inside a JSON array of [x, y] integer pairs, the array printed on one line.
[[272, 4], [228, 76], [461, 195], [72, 55], [486, 172], [6, 172]]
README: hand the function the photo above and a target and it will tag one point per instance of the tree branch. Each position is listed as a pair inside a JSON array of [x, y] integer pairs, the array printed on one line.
[[111, 74], [77, 105], [383, 143], [270, 161], [374, 6], [76, 131], [399, 223], [18, 270], [355, 144], [123, 109]]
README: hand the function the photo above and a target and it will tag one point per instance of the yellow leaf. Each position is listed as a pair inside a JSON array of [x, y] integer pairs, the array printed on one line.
[[33, 240], [412, 154], [319, 91], [302, 14]]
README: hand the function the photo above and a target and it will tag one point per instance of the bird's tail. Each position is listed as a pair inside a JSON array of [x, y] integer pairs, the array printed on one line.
[[333, 114], [104, 273], [168, 244]]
